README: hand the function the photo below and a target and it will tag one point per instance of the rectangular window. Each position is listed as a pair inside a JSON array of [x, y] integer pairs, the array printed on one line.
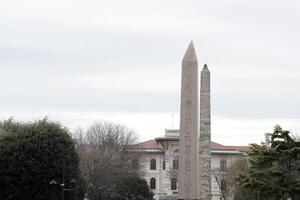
[[153, 164]]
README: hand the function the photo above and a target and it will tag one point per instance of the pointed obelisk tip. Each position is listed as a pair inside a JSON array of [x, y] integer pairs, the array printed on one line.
[[190, 54], [191, 43], [205, 68]]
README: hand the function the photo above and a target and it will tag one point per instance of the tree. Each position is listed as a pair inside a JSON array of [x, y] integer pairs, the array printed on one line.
[[274, 171], [31, 155], [219, 177], [133, 188], [104, 149], [233, 187]]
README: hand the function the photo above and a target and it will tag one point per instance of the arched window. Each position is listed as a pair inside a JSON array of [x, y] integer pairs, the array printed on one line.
[[176, 162], [135, 164], [173, 184], [223, 185], [164, 164], [152, 183], [223, 165], [153, 164]]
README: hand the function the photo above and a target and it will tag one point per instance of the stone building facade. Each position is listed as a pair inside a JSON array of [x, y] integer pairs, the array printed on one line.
[[160, 160]]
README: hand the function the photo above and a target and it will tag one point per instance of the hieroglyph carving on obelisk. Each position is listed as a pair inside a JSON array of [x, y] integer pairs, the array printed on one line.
[[204, 182], [188, 150]]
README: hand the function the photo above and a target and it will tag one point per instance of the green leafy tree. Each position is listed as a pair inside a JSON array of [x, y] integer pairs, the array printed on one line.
[[31, 155], [274, 171]]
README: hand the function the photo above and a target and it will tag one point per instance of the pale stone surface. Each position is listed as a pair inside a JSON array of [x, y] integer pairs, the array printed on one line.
[[163, 176], [196, 165], [204, 182], [187, 180]]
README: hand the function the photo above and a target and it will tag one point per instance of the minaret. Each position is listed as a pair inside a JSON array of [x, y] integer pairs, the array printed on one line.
[[188, 151], [204, 182]]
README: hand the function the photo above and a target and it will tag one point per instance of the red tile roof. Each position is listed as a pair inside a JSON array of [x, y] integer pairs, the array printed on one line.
[[150, 144], [217, 146], [241, 148], [153, 144]]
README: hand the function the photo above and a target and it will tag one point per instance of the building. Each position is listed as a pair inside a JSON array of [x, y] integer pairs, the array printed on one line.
[[160, 160]]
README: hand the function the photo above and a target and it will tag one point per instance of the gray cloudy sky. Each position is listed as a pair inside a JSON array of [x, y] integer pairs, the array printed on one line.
[[82, 61]]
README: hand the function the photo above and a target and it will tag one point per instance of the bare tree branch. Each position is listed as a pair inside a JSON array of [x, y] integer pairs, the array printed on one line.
[[103, 150]]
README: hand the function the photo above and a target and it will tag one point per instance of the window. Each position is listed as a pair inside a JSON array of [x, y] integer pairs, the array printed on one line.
[[135, 164], [223, 185], [173, 184], [164, 164], [152, 183], [176, 159], [175, 162], [223, 165], [153, 164]]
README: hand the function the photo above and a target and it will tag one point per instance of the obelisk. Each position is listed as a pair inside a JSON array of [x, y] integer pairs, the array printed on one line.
[[204, 182], [188, 151]]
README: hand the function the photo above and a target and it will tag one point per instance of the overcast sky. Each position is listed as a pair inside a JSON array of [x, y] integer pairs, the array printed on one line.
[[80, 61]]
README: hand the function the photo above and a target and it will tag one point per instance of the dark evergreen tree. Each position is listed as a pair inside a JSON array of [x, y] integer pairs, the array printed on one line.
[[133, 188], [274, 172], [31, 155]]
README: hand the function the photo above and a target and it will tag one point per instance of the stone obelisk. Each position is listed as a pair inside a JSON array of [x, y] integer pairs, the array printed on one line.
[[188, 151], [204, 182]]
